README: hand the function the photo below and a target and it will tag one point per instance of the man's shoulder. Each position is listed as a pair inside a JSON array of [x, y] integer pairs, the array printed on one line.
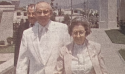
[[31, 29], [58, 24], [27, 31]]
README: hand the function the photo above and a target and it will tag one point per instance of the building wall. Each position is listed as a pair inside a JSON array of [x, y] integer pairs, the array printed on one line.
[[112, 13], [16, 3], [7, 7], [6, 24], [17, 18], [122, 10], [108, 14], [103, 13], [1, 12]]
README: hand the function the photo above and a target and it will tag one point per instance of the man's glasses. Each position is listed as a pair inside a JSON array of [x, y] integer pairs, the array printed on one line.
[[43, 11]]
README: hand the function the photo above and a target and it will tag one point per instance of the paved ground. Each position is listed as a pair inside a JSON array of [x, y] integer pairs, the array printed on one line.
[[115, 64]]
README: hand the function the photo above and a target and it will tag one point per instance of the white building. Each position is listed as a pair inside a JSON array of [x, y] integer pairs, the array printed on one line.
[[16, 3], [6, 23], [18, 15], [76, 12]]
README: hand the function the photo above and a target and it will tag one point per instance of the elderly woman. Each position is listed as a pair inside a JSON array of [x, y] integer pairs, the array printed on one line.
[[81, 56]]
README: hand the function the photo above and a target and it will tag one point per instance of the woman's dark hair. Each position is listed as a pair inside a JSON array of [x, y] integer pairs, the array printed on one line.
[[80, 21]]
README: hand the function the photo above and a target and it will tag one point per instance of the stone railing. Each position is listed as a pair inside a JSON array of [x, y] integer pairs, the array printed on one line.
[[7, 7], [7, 67], [9, 71]]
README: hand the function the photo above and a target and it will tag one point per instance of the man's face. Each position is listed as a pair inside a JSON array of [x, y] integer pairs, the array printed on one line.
[[43, 13], [31, 15]]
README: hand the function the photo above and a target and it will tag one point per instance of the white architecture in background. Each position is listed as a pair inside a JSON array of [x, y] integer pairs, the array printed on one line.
[[59, 18], [16, 3], [7, 7], [68, 11], [56, 11], [76, 12], [18, 15], [108, 14], [121, 11], [6, 24]]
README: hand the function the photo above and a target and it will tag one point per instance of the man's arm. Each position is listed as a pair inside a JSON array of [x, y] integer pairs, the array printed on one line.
[[23, 60], [66, 36]]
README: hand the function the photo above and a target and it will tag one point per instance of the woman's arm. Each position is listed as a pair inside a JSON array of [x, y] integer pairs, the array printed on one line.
[[59, 69], [101, 62]]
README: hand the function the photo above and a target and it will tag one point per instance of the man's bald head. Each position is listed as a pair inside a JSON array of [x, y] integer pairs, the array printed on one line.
[[43, 4]]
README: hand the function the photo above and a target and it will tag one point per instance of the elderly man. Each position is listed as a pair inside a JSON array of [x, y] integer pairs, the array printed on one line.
[[40, 44], [29, 23]]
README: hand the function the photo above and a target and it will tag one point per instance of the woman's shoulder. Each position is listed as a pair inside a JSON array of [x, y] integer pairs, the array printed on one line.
[[94, 43]]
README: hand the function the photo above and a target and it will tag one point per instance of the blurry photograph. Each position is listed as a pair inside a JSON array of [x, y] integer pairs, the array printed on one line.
[[62, 36]]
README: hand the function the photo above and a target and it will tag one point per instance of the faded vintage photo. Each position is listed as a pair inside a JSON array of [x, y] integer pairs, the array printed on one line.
[[62, 36]]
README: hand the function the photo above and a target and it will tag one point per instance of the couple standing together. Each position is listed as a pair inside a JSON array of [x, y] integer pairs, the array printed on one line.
[[46, 47]]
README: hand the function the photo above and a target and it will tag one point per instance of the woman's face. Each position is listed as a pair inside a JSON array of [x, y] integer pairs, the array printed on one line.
[[79, 34]]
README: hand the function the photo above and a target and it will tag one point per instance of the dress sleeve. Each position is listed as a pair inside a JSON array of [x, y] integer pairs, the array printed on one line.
[[101, 61], [59, 69]]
